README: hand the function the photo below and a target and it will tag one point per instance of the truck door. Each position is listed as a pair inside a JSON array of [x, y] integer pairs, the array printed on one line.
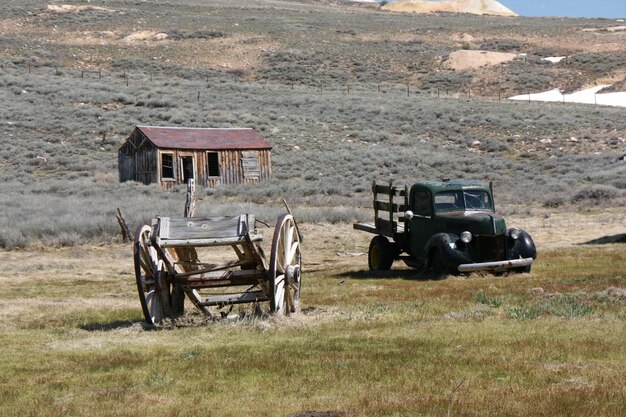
[[421, 223]]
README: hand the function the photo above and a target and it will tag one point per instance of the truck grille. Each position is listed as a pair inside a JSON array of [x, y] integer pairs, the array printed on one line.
[[491, 248]]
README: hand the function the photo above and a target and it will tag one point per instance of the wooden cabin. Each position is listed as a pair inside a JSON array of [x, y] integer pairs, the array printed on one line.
[[171, 155]]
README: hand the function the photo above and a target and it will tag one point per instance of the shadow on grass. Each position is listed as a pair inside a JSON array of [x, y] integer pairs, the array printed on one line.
[[607, 240], [114, 325], [407, 274]]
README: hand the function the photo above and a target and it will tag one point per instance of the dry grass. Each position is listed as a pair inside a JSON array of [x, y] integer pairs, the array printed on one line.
[[545, 343]]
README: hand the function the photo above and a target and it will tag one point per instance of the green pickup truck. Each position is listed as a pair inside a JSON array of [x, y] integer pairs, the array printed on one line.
[[444, 227]]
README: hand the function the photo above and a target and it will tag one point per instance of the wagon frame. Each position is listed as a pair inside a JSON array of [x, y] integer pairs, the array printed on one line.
[[168, 268]]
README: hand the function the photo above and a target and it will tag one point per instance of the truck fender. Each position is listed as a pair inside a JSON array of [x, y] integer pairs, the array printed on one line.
[[523, 247], [440, 241]]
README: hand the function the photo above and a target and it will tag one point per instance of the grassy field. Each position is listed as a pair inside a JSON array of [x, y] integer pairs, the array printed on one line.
[[549, 343]]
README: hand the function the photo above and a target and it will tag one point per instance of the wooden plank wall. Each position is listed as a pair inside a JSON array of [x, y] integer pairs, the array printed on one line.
[[139, 160], [231, 167], [147, 164]]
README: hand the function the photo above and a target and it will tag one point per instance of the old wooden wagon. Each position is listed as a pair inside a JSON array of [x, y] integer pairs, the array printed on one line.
[[170, 156], [169, 266]]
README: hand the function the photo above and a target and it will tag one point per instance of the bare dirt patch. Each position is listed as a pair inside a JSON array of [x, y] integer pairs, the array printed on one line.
[[465, 59], [614, 294], [145, 35], [69, 8], [607, 29]]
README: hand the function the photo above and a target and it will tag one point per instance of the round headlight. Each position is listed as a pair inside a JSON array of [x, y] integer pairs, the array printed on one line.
[[515, 233], [466, 237]]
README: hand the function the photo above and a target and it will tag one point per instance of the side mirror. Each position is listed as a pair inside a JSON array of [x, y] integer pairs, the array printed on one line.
[[408, 215]]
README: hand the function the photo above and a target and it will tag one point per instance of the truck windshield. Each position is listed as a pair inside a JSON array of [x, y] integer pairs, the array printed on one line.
[[463, 200]]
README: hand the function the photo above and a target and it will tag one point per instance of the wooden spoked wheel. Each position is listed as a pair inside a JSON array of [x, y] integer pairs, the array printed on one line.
[[151, 280], [285, 267]]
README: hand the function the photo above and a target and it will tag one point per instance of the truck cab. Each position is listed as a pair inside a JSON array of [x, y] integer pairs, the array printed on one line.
[[447, 226]]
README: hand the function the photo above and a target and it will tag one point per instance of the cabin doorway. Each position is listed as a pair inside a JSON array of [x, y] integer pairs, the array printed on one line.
[[186, 168]]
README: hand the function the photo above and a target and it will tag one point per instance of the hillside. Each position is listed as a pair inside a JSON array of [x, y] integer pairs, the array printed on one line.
[[324, 82]]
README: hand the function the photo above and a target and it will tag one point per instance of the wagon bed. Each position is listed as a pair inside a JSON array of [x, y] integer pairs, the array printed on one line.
[[168, 267]]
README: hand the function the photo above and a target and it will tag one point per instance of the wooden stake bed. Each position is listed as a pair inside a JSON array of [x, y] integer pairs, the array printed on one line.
[[214, 231], [168, 268]]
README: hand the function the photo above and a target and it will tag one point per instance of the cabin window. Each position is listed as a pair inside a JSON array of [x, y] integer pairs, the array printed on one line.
[[250, 163], [213, 164], [421, 203], [167, 166]]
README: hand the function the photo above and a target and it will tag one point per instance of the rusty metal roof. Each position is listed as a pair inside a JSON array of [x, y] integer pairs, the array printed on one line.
[[202, 138]]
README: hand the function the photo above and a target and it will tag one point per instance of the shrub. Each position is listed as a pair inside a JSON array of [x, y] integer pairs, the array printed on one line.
[[12, 239], [595, 194], [196, 34], [553, 202], [599, 62], [502, 45], [482, 298], [524, 312], [567, 305]]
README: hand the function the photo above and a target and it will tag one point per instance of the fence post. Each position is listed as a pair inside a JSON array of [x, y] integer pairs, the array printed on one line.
[[408, 93], [348, 88], [126, 235], [198, 96], [379, 87], [190, 205], [437, 92], [292, 84], [99, 73]]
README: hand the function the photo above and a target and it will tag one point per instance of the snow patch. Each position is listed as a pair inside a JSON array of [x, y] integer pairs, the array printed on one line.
[[587, 96], [554, 59]]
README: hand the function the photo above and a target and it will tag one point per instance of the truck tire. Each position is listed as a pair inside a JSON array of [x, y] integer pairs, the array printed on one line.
[[381, 254], [437, 264]]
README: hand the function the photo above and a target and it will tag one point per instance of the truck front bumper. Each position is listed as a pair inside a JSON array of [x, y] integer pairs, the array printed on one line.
[[496, 266]]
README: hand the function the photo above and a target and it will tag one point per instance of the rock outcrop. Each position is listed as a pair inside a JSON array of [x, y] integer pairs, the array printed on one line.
[[481, 7]]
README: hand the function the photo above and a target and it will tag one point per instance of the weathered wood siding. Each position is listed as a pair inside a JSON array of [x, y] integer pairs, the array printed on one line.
[[231, 166], [139, 160]]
